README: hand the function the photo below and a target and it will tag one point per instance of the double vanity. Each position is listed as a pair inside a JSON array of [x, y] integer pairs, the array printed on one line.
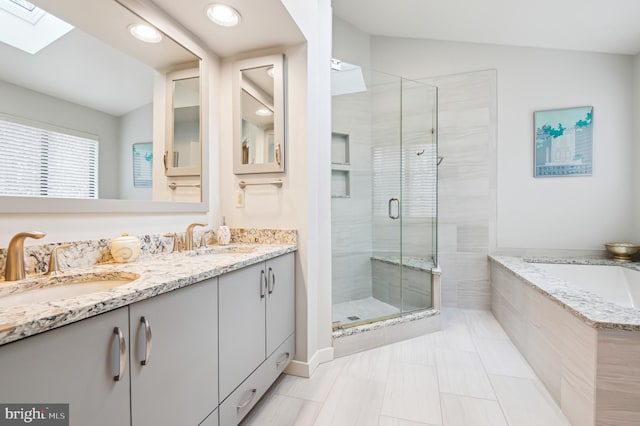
[[191, 338]]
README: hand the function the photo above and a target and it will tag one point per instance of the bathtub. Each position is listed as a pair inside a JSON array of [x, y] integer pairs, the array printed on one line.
[[616, 284], [578, 325]]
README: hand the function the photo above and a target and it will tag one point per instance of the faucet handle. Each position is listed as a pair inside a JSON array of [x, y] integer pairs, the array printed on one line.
[[176, 241], [204, 240], [53, 259]]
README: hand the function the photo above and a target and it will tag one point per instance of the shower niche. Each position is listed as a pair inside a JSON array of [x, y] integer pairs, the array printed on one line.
[[340, 176], [384, 197]]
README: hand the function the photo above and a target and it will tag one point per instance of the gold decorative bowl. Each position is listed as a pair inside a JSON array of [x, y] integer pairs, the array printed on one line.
[[622, 251]]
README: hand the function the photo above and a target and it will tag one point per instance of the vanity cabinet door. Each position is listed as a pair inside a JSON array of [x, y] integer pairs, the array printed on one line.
[[242, 297], [174, 356], [280, 300], [74, 364]]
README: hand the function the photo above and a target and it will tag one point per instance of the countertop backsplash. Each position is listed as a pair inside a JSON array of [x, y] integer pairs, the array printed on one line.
[[84, 254]]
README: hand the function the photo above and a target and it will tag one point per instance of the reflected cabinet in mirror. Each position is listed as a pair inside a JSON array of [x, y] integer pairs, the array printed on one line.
[[77, 106], [183, 153], [259, 139]]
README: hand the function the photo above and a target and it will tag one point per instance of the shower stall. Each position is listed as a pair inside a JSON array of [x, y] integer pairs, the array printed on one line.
[[384, 195]]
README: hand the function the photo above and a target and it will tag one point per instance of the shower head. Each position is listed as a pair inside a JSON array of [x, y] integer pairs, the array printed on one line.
[[439, 160]]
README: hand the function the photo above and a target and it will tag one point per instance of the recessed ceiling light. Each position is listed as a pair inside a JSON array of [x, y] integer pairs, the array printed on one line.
[[223, 15], [146, 33], [271, 72], [264, 112]]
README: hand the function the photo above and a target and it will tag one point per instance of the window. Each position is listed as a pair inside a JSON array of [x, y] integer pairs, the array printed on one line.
[[38, 160]]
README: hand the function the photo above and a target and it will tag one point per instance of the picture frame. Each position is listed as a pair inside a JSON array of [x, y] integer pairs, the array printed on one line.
[[142, 165], [563, 142]]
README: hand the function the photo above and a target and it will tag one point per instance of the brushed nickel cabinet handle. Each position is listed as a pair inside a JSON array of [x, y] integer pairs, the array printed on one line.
[[263, 284], [248, 401], [284, 359], [122, 353], [147, 341], [272, 280]]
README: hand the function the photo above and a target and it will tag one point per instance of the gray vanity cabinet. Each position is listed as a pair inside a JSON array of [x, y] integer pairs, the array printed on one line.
[[174, 356], [280, 300], [257, 323], [242, 325], [74, 364]]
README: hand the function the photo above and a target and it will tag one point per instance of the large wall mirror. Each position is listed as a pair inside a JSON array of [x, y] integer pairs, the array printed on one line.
[[91, 77], [259, 139]]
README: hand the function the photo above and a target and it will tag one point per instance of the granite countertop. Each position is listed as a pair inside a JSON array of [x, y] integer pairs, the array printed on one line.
[[417, 263], [158, 274], [589, 307]]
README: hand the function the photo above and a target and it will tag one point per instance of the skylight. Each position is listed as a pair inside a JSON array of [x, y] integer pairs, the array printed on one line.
[[27, 27]]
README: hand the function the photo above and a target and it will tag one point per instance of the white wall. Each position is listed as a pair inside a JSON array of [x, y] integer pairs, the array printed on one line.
[[550, 213]]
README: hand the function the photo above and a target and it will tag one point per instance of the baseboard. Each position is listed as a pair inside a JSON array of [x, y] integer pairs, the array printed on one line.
[[306, 369]]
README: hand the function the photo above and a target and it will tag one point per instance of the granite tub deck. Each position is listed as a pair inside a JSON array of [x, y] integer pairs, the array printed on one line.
[[158, 274], [585, 349]]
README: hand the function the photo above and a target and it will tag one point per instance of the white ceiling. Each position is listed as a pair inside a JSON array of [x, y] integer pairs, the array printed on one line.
[[265, 23], [611, 26]]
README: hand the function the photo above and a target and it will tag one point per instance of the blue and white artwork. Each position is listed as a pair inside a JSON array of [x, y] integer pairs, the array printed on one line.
[[564, 142], [142, 165]]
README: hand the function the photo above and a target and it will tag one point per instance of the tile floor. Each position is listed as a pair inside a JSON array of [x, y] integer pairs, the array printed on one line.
[[467, 374]]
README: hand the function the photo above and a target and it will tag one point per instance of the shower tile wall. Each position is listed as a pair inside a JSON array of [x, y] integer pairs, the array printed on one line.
[[351, 217], [467, 185]]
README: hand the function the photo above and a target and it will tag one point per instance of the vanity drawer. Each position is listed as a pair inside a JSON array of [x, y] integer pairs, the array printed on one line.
[[281, 357], [241, 401]]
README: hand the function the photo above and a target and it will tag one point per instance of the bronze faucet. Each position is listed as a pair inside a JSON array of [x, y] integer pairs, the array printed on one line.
[[14, 266], [188, 238]]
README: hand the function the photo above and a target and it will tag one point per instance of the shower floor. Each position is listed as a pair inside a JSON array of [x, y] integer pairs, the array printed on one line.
[[361, 309]]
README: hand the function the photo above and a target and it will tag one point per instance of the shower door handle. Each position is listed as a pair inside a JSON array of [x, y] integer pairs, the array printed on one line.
[[397, 203]]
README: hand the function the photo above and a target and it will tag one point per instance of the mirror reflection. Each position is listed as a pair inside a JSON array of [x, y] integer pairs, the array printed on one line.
[[90, 79], [184, 148], [258, 145], [259, 126]]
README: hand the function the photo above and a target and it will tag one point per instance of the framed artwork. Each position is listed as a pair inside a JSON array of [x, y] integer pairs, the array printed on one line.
[[142, 164], [563, 142]]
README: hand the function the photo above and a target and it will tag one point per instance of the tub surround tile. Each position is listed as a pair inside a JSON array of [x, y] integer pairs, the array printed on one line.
[[158, 274], [589, 307], [592, 370]]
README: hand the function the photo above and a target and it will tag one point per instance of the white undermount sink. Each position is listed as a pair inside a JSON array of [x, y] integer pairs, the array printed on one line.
[[67, 287]]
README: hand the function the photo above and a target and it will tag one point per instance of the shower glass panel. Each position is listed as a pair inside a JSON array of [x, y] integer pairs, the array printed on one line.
[[384, 195]]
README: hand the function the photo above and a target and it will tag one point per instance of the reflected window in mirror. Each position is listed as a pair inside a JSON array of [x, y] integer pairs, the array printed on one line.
[[259, 115], [97, 79]]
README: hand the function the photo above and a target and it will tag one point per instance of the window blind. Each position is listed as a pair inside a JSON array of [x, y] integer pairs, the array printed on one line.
[[37, 160], [403, 173]]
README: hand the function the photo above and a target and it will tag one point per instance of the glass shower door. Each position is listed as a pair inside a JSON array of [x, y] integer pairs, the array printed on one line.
[[387, 190], [419, 190]]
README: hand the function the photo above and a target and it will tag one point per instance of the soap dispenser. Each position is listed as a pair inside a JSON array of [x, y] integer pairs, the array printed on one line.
[[224, 235]]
